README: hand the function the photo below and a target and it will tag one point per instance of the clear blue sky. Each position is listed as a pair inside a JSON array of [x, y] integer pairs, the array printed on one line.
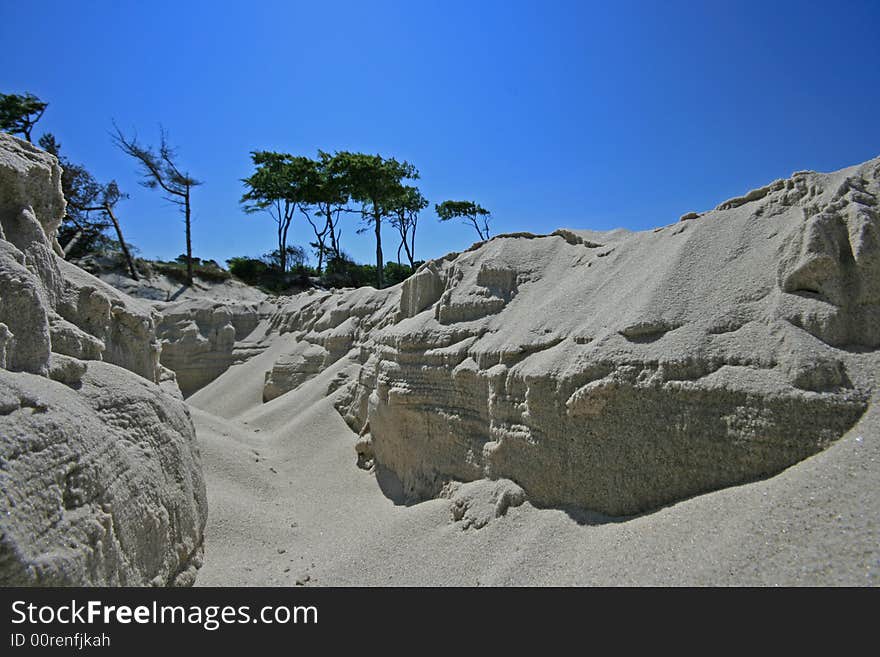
[[576, 114]]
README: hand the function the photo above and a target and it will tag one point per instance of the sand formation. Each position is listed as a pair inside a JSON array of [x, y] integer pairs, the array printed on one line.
[[615, 372], [99, 469]]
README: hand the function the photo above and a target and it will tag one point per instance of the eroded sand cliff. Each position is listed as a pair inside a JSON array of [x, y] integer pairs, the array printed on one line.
[[100, 479], [692, 404], [618, 371]]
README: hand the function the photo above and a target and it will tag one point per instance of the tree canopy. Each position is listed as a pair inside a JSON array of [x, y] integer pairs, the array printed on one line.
[[471, 212], [376, 183], [280, 185], [19, 113], [91, 206], [329, 195], [405, 218], [160, 171]]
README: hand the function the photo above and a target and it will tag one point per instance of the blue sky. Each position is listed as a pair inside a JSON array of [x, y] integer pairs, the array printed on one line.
[[551, 114]]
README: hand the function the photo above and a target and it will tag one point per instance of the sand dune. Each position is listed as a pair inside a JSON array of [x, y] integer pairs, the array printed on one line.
[[696, 404], [288, 501]]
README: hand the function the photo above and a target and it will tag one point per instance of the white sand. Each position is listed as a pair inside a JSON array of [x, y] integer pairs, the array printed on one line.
[[766, 307], [287, 500]]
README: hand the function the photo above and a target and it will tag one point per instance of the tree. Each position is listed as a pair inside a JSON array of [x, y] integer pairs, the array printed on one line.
[[19, 114], [161, 171], [50, 144], [374, 182], [103, 199], [327, 191], [476, 215], [405, 218], [78, 228], [294, 256], [278, 186], [85, 196]]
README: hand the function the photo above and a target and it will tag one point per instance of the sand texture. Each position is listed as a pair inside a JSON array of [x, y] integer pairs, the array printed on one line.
[[100, 479], [690, 405], [694, 404]]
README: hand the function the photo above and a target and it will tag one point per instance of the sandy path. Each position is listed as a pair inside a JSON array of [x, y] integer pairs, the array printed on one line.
[[286, 500]]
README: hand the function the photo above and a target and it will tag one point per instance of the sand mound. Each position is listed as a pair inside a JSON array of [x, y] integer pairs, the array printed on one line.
[[619, 371], [573, 408]]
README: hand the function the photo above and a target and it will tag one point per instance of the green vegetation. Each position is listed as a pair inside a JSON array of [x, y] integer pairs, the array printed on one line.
[[405, 218], [160, 171], [471, 212], [283, 185], [179, 270], [265, 273], [320, 190], [280, 186], [91, 207], [376, 183], [19, 114]]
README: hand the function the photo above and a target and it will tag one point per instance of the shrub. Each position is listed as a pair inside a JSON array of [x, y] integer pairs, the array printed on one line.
[[207, 271]]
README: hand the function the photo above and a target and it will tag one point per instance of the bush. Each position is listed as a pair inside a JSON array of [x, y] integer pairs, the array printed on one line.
[[395, 273], [345, 272], [338, 272], [262, 274], [207, 271], [247, 270], [211, 271]]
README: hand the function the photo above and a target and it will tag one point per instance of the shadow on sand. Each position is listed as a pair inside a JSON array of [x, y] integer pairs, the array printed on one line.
[[176, 295], [391, 486]]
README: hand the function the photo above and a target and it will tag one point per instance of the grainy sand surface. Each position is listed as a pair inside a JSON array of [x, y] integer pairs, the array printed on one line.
[[288, 503]]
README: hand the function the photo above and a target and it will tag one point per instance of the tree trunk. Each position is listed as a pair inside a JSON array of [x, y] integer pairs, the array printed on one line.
[[189, 253], [476, 225], [377, 219], [334, 244], [283, 246], [125, 252], [411, 252], [72, 243], [280, 247]]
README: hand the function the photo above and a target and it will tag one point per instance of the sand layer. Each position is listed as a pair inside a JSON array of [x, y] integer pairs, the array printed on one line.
[[288, 503]]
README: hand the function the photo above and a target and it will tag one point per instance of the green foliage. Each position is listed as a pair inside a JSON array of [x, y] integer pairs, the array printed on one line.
[[328, 187], [265, 272], [294, 257], [207, 270], [372, 180], [342, 271], [406, 207], [19, 114], [397, 273], [471, 212], [281, 185], [328, 194], [158, 166], [248, 270], [90, 210], [49, 144], [279, 177], [90, 239], [376, 183], [160, 171]]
